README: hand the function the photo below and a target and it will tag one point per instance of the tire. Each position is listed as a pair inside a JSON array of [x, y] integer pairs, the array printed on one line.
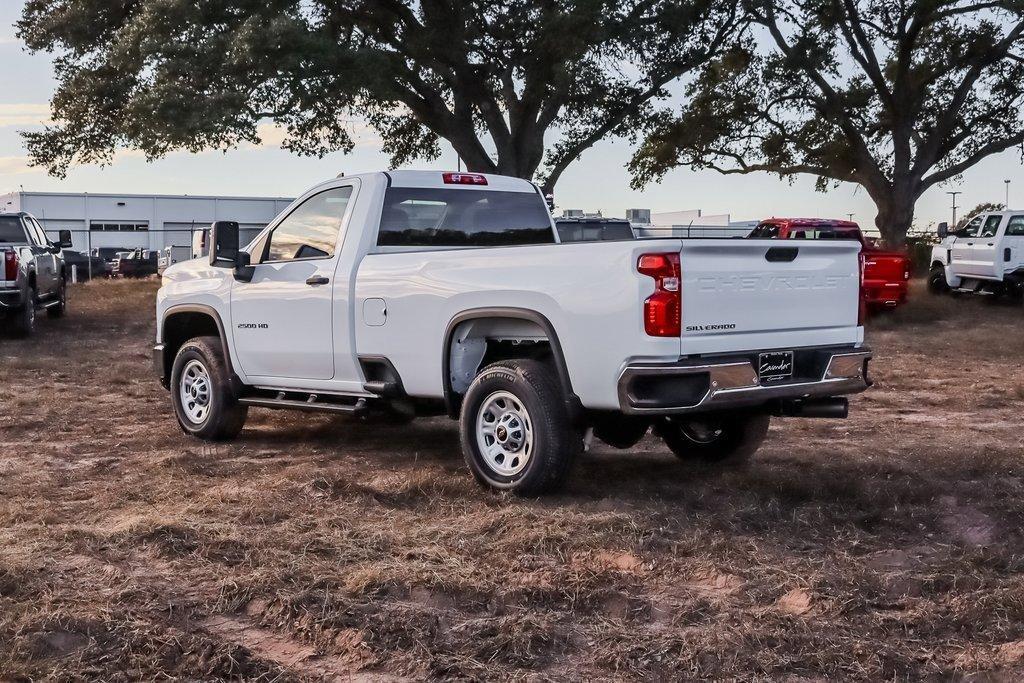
[[516, 430], [728, 439], [620, 431], [937, 280], [199, 372], [60, 308], [23, 321]]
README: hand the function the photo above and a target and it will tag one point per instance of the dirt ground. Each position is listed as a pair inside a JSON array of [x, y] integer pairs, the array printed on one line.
[[887, 546]]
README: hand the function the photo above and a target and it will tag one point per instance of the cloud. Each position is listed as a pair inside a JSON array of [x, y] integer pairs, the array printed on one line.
[[24, 114], [9, 40], [15, 166]]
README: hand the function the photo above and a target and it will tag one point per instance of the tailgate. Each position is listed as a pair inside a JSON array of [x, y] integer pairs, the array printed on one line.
[[885, 267], [748, 295]]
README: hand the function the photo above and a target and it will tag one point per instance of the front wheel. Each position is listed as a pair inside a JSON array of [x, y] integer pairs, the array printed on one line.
[[937, 280], [516, 430], [727, 439], [201, 392]]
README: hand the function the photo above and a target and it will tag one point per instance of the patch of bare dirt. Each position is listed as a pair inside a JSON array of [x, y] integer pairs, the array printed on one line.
[[885, 547]]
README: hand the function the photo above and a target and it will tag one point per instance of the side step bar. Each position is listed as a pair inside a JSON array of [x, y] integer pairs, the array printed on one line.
[[311, 404]]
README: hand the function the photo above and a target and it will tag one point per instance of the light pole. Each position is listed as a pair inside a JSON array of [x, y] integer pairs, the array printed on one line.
[[850, 216], [954, 194], [1006, 205]]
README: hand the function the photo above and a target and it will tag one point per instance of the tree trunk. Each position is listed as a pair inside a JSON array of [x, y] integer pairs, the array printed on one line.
[[895, 216]]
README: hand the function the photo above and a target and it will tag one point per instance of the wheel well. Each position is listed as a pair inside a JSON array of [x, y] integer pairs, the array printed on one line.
[[475, 341], [938, 263], [180, 327]]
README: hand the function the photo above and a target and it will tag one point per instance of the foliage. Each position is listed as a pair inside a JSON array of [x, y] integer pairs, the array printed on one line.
[[894, 95], [490, 76]]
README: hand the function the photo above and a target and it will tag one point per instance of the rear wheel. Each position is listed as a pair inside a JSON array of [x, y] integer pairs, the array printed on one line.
[[937, 280], [58, 309], [201, 392], [23, 323], [516, 430], [727, 439]]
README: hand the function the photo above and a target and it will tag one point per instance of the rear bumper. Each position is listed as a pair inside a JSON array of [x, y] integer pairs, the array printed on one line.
[[11, 299], [706, 384], [882, 293]]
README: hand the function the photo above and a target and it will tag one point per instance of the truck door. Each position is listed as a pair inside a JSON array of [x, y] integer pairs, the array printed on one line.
[[985, 262], [283, 321], [46, 260], [1010, 252], [961, 254]]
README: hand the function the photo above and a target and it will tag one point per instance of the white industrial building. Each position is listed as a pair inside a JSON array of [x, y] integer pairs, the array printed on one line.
[[131, 221], [690, 223]]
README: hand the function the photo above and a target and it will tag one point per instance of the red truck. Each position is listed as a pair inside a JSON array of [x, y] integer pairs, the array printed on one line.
[[886, 273]]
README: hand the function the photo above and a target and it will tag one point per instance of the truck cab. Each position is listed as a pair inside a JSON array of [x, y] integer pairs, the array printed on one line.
[[985, 256], [886, 273]]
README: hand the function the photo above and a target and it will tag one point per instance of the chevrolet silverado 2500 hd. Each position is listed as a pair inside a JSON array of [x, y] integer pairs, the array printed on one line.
[[32, 273], [986, 256], [415, 293]]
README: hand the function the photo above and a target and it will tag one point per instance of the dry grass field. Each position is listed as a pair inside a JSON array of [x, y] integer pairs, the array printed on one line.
[[887, 546]]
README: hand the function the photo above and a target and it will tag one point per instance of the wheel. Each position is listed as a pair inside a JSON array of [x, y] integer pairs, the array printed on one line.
[[23, 324], [937, 280], [516, 430], [620, 431], [722, 439], [60, 308], [201, 392]]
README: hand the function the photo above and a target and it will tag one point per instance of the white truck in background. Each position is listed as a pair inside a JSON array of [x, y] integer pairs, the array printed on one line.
[[986, 256], [413, 293]]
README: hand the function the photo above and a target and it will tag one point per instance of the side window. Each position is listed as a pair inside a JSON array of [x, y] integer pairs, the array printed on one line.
[[34, 233], [765, 231], [991, 226], [971, 229], [42, 233], [311, 230], [1015, 228]]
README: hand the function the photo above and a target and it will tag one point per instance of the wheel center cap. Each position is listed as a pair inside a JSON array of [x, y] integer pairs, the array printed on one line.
[[501, 433]]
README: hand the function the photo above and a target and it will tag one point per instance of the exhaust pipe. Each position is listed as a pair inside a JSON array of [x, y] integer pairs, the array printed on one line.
[[835, 408]]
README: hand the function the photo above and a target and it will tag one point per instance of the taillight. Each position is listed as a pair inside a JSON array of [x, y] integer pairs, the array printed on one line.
[[862, 296], [10, 265], [663, 310], [464, 179]]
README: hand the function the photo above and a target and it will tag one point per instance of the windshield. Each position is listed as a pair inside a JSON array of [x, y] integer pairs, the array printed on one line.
[[11, 231]]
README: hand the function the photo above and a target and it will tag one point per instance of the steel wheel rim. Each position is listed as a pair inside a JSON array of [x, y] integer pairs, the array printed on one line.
[[504, 433], [702, 432], [194, 390]]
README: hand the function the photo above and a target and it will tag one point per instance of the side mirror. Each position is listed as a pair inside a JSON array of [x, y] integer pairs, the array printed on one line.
[[244, 271], [64, 239], [943, 230], [224, 244]]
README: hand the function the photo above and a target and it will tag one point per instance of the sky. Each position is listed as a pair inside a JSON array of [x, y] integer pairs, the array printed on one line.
[[598, 181]]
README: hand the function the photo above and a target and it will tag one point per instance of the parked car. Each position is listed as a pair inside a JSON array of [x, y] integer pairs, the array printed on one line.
[[109, 255], [33, 274], [886, 273], [415, 293], [138, 263], [986, 256], [168, 256], [85, 266], [593, 229]]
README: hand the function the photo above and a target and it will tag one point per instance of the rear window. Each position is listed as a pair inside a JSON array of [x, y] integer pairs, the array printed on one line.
[[438, 217], [11, 231], [593, 231]]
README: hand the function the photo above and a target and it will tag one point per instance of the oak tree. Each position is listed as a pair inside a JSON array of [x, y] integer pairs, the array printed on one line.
[[894, 95]]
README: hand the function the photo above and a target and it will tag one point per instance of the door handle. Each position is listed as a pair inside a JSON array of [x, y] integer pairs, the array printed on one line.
[[991, 244], [317, 280]]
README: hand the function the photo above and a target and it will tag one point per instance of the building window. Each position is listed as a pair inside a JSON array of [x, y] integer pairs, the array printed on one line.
[[105, 226]]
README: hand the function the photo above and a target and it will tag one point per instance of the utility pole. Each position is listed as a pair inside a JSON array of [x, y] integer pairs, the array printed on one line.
[[954, 194], [850, 216], [1006, 205]]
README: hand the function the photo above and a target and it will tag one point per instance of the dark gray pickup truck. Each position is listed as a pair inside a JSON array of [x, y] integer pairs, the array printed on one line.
[[32, 273]]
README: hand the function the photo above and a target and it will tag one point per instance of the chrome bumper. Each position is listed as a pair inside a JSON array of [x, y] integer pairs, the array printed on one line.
[[698, 386]]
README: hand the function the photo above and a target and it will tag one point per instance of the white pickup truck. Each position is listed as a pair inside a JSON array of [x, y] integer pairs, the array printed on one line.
[[414, 293], [986, 256]]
